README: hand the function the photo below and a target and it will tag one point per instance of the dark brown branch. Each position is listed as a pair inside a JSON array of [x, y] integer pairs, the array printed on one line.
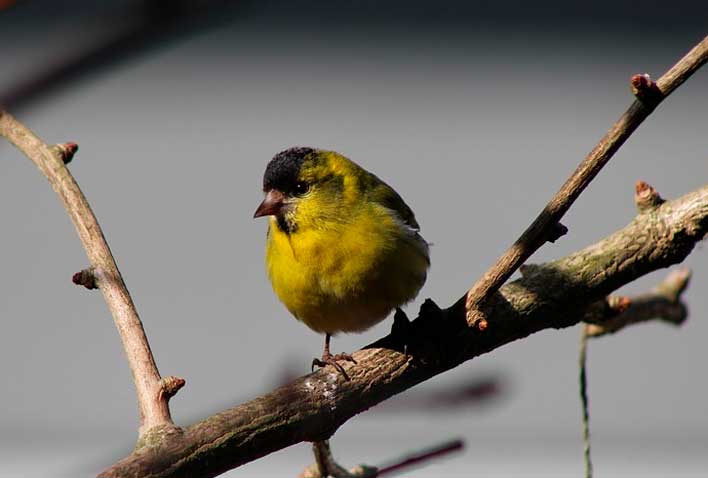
[[414, 459], [551, 295], [325, 465], [663, 303], [649, 95], [104, 273], [363, 471]]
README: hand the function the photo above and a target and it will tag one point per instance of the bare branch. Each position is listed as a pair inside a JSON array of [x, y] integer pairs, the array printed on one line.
[[103, 273], [323, 454], [551, 295], [414, 459], [326, 466], [649, 95], [663, 303], [363, 471]]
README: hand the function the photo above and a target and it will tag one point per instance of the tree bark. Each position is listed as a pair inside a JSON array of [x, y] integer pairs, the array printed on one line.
[[552, 295]]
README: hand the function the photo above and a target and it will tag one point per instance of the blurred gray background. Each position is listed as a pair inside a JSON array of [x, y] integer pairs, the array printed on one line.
[[475, 112]]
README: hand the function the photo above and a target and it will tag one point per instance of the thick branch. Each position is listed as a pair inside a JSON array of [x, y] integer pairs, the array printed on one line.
[[649, 95], [152, 402], [550, 295]]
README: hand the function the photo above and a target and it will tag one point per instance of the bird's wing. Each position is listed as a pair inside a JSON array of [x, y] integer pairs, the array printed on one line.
[[389, 198]]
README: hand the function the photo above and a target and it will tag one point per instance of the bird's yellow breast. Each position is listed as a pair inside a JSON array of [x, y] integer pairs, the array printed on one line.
[[346, 276]]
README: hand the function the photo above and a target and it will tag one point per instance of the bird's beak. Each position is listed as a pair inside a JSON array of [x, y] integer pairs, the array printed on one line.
[[271, 205]]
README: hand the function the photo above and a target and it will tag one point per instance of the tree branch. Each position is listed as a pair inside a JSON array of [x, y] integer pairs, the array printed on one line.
[[556, 294], [551, 295], [649, 95], [104, 273], [363, 471], [663, 303]]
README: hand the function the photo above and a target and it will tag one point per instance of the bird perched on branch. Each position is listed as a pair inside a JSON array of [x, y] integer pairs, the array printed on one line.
[[343, 248]]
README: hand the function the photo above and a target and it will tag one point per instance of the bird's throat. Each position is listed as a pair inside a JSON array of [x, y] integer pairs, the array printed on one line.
[[285, 224]]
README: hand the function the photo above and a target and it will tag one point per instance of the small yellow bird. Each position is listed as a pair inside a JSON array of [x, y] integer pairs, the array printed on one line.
[[343, 248]]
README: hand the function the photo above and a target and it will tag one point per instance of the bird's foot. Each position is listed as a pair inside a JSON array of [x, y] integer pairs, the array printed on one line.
[[333, 360]]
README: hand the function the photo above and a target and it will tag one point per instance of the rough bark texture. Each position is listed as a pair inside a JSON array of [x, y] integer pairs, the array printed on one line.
[[557, 294], [552, 295]]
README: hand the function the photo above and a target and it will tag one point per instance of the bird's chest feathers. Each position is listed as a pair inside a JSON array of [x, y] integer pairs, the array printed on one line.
[[335, 261]]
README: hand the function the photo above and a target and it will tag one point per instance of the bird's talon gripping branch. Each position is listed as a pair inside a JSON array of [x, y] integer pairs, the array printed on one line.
[[320, 268], [333, 360], [345, 357]]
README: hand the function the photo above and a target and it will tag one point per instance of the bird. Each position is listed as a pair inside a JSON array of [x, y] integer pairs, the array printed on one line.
[[343, 249]]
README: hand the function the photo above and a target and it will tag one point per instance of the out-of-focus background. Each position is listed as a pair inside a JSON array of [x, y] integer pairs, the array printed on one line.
[[474, 111]]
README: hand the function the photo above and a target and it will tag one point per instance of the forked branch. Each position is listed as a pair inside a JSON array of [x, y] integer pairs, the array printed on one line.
[[649, 94], [552, 295]]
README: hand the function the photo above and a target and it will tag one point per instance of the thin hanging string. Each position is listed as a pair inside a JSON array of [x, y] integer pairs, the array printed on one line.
[[582, 361]]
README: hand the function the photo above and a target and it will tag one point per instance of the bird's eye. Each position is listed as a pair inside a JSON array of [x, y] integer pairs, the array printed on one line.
[[301, 187]]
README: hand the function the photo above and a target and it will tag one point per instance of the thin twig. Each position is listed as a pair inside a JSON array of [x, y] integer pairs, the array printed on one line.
[[582, 362], [300, 411], [326, 466], [663, 303], [152, 401], [538, 232], [421, 457]]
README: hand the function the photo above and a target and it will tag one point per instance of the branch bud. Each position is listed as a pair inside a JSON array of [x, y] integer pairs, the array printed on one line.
[[645, 90], [85, 278], [169, 386], [646, 197], [65, 151]]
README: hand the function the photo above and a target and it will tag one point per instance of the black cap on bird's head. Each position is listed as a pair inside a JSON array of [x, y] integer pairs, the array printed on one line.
[[283, 170], [280, 179]]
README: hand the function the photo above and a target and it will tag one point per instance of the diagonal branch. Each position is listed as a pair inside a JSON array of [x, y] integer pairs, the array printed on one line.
[[152, 391], [551, 295], [649, 95], [555, 294]]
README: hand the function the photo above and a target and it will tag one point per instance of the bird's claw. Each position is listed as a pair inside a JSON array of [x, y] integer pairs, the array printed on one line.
[[333, 360]]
